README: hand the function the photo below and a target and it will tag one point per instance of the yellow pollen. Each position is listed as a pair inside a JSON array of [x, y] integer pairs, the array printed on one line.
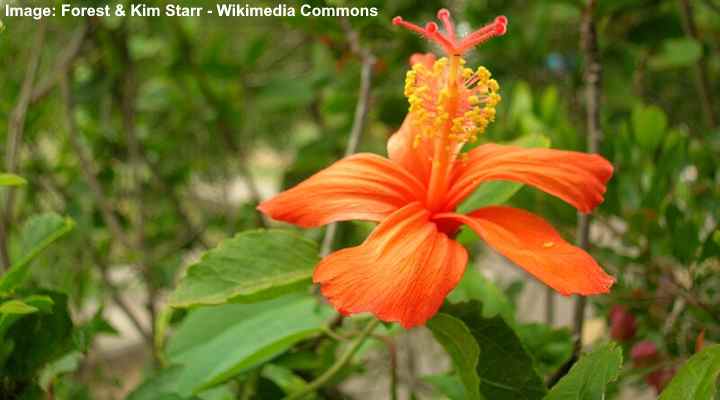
[[548, 245], [459, 110]]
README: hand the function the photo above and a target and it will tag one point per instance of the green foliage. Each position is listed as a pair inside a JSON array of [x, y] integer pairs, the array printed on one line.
[[475, 286], [549, 347], [206, 342], [186, 131], [589, 377], [11, 179], [249, 267], [677, 53], [649, 124], [37, 234], [499, 192], [697, 379], [463, 349], [498, 344]]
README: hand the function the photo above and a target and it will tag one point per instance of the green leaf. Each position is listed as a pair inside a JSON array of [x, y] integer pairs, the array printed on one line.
[[39, 338], [161, 386], [677, 53], [14, 311], [217, 343], [589, 377], [285, 379], [252, 266], [499, 346], [86, 333], [37, 234], [449, 385], [549, 347], [66, 364], [696, 380], [649, 124], [16, 307], [11, 179], [498, 192], [464, 351], [475, 286]]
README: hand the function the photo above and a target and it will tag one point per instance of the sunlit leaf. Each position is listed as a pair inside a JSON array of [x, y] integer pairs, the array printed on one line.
[[589, 377], [37, 234], [460, 344], [11, 179], [216, 343], [649, 124], [677, 52], [249, 267], [697, 379]]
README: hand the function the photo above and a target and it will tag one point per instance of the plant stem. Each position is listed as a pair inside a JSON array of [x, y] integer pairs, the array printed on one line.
[[339, 364], [549, 306], [702, 83], [593, 74], [15, 130], [361, 112]]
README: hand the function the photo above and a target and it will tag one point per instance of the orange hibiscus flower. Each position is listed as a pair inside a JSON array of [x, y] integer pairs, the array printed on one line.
[[409, 263]]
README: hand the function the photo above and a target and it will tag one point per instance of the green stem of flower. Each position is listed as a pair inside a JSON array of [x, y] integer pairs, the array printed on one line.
[[339, 364]]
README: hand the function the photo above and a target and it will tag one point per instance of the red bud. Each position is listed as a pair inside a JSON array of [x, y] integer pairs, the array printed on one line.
[[622, 324]]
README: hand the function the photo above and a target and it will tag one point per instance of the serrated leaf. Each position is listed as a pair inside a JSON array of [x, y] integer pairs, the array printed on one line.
[[697, 379], [464, 351], [499, 346], [498, 192], [252, 266], [11, 179], [589, 377], [217, 343], [37, 234]]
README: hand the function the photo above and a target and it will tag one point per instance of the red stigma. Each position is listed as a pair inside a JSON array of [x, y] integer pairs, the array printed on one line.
[[448, 40]]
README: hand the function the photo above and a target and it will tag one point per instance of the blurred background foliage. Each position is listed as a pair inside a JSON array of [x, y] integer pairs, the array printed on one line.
[[144, 142]]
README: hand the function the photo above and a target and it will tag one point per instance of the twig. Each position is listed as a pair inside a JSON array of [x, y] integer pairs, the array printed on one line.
[[339, 364], [393, 368], [702, 83], [593, 74], [711, 5], [49, 184], [117, 297], [128, 95], [88, 169], [65, 61], [223, 123], [549, 306], [361, 112], [16, 128]]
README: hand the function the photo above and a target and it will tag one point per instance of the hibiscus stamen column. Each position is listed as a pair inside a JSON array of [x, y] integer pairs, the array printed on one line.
[[441, 156], [450, 104]]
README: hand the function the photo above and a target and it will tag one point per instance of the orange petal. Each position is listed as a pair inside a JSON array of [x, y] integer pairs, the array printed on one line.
[[362, 186], [416, 157], [577, 178], [401, 273], [531, 243]]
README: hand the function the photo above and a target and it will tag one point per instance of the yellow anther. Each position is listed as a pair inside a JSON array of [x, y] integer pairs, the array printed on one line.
[[548, 245]]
